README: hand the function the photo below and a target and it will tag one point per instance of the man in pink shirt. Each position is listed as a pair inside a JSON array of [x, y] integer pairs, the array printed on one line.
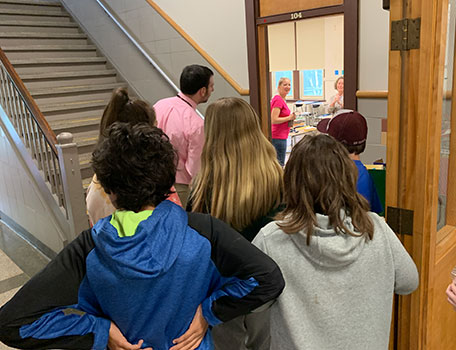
[[177, 117]]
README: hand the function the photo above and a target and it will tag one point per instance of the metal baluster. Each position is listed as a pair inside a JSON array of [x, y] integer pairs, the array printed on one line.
[[9, 87], [27, 128], [21, 127], [58, 179], [15, 102], [47, 153], [40, 151], [2, 89]]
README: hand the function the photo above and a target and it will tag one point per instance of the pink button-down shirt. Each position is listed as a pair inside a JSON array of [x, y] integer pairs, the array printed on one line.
[[177, 117]]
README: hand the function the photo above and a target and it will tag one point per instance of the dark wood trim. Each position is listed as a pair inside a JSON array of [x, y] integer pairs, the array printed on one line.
[[296, 85], [251, 8], [350, 11], [386, 4], [264, 81], [286, 17], [30, 102], [350, 53]]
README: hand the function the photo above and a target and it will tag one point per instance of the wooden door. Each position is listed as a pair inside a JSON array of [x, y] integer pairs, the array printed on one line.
[[416, 96]]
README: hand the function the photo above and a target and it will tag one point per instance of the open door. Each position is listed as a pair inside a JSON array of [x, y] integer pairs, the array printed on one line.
[[421, 165]]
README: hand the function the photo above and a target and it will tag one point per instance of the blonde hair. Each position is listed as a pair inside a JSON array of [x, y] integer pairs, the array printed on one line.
[[240, 178], [281, 80]]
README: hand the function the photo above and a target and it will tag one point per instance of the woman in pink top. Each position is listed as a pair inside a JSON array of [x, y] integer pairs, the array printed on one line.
[[280, 116]]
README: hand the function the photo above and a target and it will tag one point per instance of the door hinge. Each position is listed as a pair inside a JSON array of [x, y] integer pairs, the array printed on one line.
[[386, 4], [405, 34], [400, 220]]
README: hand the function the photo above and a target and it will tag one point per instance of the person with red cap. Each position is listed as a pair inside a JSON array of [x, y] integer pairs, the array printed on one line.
[[350, 128]]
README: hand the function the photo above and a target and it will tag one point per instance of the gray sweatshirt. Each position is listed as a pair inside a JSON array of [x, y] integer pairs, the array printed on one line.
[[339, 290]]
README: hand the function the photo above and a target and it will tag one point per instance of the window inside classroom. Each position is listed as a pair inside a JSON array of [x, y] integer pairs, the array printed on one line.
[[312, 84], [275, 82]]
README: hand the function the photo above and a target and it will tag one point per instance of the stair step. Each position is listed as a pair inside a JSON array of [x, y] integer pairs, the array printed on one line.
[[63, 75], [33, 48], [56, 61], [43, 13], [86, 182], [86, 139], [59, 107], [42, 35], [85, 160], [59, 90], [38, 24], [61, 125], [34, 2]]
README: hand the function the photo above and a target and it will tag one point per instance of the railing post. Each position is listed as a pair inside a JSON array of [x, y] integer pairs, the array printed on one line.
[[72, 184]]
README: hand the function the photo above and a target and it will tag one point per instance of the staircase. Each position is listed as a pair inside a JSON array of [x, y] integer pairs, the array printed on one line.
[[65, 74]]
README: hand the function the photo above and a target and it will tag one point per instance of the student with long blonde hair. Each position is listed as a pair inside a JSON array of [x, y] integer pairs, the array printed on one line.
[[241, 183], [240, 180], [342, 264]]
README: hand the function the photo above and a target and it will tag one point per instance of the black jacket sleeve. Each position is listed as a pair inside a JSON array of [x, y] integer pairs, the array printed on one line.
[[234, 256], [55, 286]]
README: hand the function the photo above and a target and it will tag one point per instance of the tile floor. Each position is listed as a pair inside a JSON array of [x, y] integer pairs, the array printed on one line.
[[19, 261]]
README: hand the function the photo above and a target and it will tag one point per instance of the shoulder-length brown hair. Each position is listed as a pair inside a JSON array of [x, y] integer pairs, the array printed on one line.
[[240, 178], [321, 177]]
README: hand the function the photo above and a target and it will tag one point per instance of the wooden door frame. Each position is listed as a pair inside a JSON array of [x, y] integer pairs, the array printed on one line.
[[413, 154], [258, 60]]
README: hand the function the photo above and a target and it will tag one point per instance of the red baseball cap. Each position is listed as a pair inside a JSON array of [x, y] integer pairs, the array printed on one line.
[[347, 127]]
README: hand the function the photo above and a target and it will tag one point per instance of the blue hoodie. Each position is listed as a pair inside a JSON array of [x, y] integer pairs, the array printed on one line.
[[150, 283]]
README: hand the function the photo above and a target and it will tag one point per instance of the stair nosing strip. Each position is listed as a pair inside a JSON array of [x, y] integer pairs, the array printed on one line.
[[44, 48], [81, 88], [30, 3], [55, 75], [33, 13]]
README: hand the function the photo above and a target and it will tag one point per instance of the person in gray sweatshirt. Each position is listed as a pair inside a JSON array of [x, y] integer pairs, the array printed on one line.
[[341, 263]]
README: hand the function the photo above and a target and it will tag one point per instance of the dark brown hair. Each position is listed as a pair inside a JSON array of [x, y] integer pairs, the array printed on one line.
[[123, 109], [355, 149], [321, 178], [137, 163]]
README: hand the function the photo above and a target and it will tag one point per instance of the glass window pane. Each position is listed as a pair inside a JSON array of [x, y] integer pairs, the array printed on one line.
[[446, 116]]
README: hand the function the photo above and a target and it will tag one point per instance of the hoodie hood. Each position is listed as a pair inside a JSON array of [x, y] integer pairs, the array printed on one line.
[[328, 248], [151, 250]]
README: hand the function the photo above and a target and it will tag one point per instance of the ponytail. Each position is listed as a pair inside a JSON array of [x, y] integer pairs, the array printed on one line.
[[123, 109]]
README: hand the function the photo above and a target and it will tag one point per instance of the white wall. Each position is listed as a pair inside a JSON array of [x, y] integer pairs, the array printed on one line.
[[219, 27], [21, 201], [373, 72], [373, 45], [164, 44]]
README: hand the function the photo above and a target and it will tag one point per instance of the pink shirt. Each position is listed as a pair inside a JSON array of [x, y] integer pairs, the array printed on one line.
[[280, 131], [177, 117]]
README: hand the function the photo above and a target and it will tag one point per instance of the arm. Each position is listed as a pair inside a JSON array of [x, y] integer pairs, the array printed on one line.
[[195, 148], [55, 286], [252, 278], [275, 119], [406, 275], [335, 100], [451, 294]]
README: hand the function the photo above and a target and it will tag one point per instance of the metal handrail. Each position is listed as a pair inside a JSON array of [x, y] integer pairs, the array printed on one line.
[[31, 126], [141, 49]]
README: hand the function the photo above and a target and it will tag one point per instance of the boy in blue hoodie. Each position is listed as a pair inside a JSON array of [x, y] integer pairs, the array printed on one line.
[[350, 128], [145, 271]]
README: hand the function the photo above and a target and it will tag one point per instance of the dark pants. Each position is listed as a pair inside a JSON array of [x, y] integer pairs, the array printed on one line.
[[281, 149], [250, 332]]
